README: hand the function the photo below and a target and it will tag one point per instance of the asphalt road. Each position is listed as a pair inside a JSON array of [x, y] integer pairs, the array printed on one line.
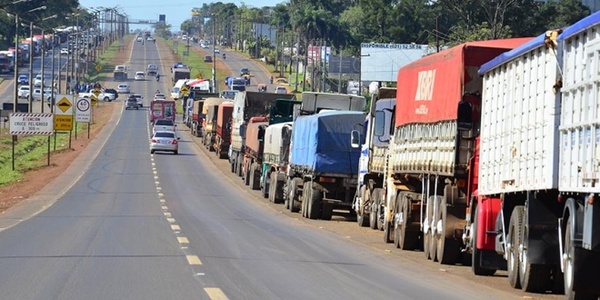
[[164, 226]]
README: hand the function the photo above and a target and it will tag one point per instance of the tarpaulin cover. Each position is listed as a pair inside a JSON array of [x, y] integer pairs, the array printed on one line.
[[321, 142]]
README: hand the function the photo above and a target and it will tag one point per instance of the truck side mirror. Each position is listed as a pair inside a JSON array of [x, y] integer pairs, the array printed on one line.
[[355, 139]]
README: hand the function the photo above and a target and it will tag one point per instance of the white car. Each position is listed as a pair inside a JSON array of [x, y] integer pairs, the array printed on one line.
[[37, 81], [123, 88], [139, 39], [139, 98], [23, 92], [64, 51], [48, 94], [159, 96], [281, 90], [139, 75], [164, 141], [217, 50]]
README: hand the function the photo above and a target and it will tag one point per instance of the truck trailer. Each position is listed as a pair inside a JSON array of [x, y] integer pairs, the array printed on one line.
[[538, 165], [209, 126], [432, 148], [223, 133]]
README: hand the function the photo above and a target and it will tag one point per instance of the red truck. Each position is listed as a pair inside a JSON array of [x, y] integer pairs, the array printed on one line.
[[162, 109], [431, 173], [253, 152], [223, 133]]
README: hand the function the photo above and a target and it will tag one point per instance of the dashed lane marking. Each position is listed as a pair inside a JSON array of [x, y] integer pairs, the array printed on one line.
[[164, 207], [215, 293], [183, 240], [171, 220], [167, 214], [193, 260], [175, 227]]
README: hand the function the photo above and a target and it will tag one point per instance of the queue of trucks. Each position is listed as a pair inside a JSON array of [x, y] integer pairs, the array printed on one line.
[[484, 154]]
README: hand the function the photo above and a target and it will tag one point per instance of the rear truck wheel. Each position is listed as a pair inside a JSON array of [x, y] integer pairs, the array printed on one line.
[[293, 195], [265, 188], [569, 257], [176, 152], [272, 186], [239, 165], [513, 241], [315, 203], [375, 202], [304, 203], [534, 277], [380, 214], [247, 173], [254, 178], [232, 166], [404, 238], [427, 239], [326, 211], [360, 210], [476, 256], [388, 232], [448, 248], [278, 189], [286, 198]]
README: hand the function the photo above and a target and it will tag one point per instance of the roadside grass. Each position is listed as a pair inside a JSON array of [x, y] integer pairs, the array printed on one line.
[[106, 62], [31, 151]]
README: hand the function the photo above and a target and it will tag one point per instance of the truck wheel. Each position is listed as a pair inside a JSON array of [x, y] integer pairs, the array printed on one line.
[[427, 236], [293, 195], [306, 196], [360, 211], [448, 248], [315, 203], [232, 166], [273, 187], [326, 211], [278, 189], [406, 239], [388, 231], [246, 176], [375, 203], [476, 253], [514, 240], [238, 164], [569, 274], [254, 178], [266, 187], [534, 277]]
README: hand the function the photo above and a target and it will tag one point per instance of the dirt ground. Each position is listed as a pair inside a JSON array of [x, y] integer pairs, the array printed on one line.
[[35, 180]]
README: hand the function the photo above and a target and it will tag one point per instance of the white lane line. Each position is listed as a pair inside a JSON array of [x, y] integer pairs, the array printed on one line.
[[167, 214], [183, 240], [175, 227], [164, 207], [171, 220]]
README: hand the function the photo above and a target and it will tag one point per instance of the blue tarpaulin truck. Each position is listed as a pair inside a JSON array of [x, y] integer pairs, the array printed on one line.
[[323, 165]]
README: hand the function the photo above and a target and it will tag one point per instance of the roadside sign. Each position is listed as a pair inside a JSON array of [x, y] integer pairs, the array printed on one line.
[[83, 110], [31, 124], [65, 106], [98, 67], [97, 91], [185, 90], [94, 100], [63, 122]]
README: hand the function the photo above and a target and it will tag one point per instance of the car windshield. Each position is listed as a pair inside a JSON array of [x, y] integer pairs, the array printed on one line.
[[164, 122], [164, 134]]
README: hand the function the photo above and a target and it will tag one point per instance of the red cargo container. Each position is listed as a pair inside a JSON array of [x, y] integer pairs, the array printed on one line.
[[223, 138]]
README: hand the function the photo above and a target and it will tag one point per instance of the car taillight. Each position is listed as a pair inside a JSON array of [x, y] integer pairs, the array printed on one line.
[[174, 142], [154, 141]]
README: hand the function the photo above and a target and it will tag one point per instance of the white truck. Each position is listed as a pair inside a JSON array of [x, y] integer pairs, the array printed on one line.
[[539, 164]]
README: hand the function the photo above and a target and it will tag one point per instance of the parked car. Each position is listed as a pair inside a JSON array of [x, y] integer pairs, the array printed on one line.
[[207, 58], [23, 79], [23, 92], [164, 141], [64, 51], [123, 88], [131, 103], [139, 75]]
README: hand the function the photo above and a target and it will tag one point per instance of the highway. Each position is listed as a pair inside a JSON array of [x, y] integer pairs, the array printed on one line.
[[164, 226]]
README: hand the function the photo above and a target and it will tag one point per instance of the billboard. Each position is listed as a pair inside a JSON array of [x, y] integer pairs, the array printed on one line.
[[347, 65], [380, 62], [162, 18]]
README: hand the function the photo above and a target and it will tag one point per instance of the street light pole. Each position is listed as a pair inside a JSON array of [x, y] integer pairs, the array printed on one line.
[[215, 85], [16, 101], [30, 66]]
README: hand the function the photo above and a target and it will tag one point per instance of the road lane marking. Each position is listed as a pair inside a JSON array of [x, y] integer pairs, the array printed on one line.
[[161, 194], [162, 200], [183, 240], [171, 220], [215, 294], [156, 182], [193, 260], [175, 227], [164, 207], [167, 214]]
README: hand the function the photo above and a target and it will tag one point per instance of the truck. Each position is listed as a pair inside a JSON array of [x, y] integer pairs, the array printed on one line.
[[162, 109], [120, 73], [431, 160], [253, 151], [236, 83], [534, 210], [209, 126], [368, 201], [245, 106], [193, 116], [180, 73], [323, 167], [277, 140], [223, 133]]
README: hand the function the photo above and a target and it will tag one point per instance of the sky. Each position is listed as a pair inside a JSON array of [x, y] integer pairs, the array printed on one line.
[[176, 11]]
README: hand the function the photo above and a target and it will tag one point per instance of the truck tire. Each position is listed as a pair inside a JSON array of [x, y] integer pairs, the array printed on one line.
[[233, 166], [388, 232], [360, 211], [404, 238], [254, 178], [476, 253], [569, 271], [314, 201], [273, 182], [239, 162], [514, 240], [535, 278], [375, 203], [448, 248], [428, 243], [293, 195], [326, 211], [278, 189]]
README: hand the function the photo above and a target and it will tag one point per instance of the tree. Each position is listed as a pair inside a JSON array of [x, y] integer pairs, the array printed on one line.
[[190, 27]]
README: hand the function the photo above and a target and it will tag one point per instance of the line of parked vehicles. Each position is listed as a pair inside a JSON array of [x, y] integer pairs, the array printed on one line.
[[485, 154]]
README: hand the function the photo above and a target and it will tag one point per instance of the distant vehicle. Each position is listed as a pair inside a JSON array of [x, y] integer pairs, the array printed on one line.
[[160, 96], [244, 71], [48, 94], [217, 50], [139, 75], [23, 92], [152, 70], [164, 125], [139, 98], [139, 39], [23, 79], [37, 81], [281, 90], [208, 58], [204, 46], [64, 51], [164, 141], [112, 94], [131, 103], [123, 88], [149, 38], [178, 65], [281, 81], [228, 94]]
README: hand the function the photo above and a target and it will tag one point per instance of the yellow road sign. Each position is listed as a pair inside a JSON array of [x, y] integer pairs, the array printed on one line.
[[64, 104], [98, 67], [63, 122], [94, 100], [97, 92], [185, 90]]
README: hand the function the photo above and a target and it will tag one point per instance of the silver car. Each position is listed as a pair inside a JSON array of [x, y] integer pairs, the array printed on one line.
[[164, 141]]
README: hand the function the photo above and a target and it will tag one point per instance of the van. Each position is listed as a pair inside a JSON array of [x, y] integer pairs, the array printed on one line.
[[176, 90]]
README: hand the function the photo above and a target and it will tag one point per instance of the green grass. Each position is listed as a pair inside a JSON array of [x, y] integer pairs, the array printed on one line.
[[106, 61]]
